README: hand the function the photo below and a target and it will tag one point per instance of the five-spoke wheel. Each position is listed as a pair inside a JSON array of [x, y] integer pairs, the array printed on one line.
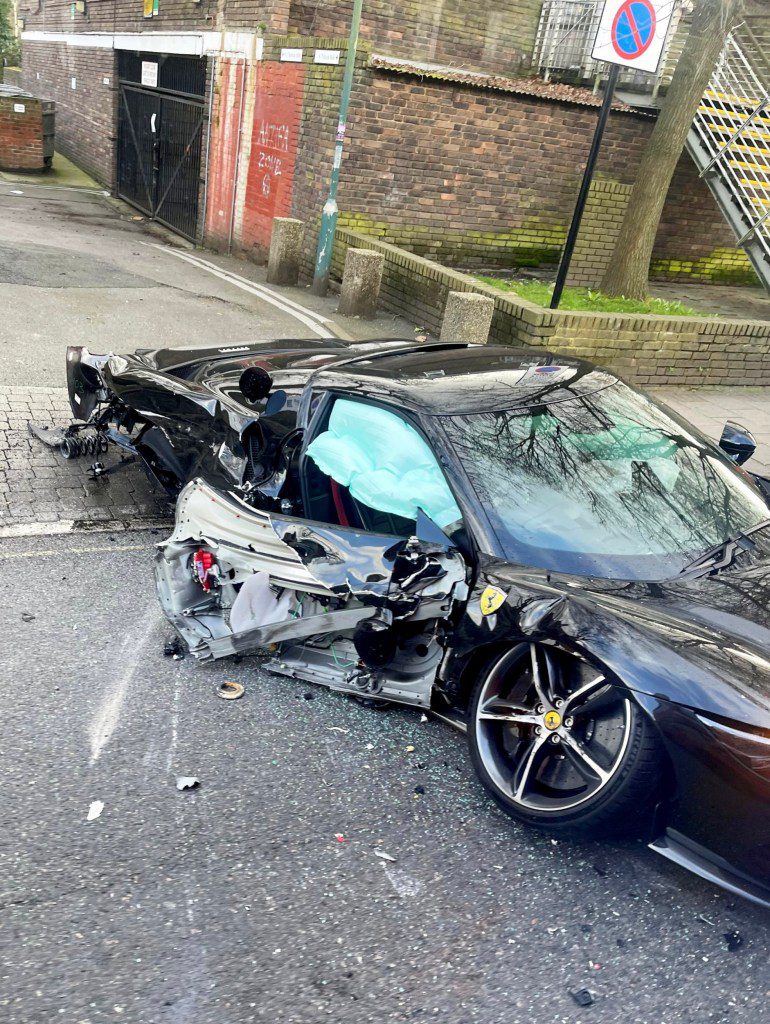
[[557, 743]]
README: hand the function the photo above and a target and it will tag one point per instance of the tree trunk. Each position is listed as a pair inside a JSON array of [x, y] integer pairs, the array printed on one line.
[[628, 271]]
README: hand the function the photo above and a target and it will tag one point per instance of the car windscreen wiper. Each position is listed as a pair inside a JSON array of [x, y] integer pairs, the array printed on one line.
[[727, 549]]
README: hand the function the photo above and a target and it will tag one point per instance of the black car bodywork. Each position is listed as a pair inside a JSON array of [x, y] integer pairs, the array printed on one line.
[[404, 602]]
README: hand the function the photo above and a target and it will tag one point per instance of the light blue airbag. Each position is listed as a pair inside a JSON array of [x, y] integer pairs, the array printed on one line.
[[383, 462]]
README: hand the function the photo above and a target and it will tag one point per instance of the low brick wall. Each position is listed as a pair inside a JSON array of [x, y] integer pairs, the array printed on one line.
[[599, 230], [25, 123], [644, 349]]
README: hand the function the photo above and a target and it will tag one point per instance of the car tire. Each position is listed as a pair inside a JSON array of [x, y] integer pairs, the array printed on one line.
[[562, 748]]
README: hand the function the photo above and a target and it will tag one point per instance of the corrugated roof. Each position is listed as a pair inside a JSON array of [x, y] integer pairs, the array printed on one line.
[[535, 87]]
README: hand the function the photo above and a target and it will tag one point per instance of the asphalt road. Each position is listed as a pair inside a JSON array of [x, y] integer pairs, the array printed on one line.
[[258, 896], [76, 271]]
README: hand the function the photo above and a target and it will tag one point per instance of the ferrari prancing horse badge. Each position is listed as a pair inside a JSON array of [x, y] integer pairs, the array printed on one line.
[[491, 599]]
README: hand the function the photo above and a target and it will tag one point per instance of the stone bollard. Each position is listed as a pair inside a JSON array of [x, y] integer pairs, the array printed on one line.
[[285, 251], [361, 282], [467, 317]]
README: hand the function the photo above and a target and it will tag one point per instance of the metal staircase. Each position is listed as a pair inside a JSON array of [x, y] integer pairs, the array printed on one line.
[[730, 144]]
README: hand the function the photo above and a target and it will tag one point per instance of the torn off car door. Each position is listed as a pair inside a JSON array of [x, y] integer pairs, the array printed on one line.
[[233, 579]]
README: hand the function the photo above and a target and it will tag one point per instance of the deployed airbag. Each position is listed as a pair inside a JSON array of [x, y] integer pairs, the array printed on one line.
[[383, 462]]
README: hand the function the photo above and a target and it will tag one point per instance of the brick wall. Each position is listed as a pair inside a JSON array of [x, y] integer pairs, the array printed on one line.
[[74, 77], [318, 130], [491, 178], [495, 37], [173, 15], [643, 349], [499, 38], [488, 179], [599, 230], [21, 133], [274, 142], [287, 116], [690, 246]]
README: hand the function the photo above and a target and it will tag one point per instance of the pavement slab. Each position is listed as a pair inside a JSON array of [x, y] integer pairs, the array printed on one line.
[[38, 486]]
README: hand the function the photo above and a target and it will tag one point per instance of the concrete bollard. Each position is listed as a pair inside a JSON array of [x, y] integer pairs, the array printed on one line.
[[285, 251], [467, 317], [361, 282]]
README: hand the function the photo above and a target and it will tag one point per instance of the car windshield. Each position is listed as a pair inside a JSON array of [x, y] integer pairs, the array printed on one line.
[[608, 484]]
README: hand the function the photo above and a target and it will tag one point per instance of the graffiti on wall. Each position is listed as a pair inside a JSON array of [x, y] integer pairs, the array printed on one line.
[[274, 138]]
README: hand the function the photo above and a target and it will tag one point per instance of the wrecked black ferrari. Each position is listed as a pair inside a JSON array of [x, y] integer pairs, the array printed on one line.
[[518, 541]]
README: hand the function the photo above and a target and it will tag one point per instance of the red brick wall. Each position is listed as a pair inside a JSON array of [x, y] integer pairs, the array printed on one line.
[[465, 175], [85, 115], [495, 37], [21, 134], [490, 176], [274, 138]]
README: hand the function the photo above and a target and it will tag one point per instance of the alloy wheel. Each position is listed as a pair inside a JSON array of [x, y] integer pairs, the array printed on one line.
[[551, 730]]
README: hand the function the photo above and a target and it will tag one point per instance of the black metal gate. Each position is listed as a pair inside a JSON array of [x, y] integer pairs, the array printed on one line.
[[160, 134]]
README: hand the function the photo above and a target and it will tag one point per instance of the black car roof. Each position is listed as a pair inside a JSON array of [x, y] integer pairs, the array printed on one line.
[[439, 378], [458, 378]]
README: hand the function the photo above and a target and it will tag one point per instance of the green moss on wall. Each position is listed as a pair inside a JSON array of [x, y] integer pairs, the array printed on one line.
[[721, 266], [536, 243]]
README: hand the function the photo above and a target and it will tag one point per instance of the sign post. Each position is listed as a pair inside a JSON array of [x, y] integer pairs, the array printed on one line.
[[323, 260], [631, 34]]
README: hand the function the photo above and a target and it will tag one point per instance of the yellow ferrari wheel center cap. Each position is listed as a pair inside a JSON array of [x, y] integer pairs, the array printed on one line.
[[552, 720]]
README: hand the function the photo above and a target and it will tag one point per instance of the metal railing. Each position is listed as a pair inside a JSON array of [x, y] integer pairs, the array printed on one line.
[[565, 38], [733, 130]]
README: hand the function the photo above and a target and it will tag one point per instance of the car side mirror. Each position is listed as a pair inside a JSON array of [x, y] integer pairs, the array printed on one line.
[[737, 442]]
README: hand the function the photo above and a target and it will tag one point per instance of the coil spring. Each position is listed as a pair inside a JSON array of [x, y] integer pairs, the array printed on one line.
[[90, 443]]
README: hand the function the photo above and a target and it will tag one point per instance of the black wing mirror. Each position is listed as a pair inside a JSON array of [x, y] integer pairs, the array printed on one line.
[[737, 442]]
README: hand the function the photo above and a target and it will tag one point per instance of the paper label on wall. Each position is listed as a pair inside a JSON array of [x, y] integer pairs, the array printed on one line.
[[326, 57], [150, 74], [19, 108], [632, 33], [148, 8], [293, 56]]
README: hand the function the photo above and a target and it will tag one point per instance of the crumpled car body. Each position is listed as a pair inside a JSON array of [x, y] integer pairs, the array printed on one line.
[[491, 533]]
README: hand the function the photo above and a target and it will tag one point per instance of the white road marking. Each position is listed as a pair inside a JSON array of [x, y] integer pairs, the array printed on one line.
[[314, 321], [174, 728], [132, 648], [72, 526], [43, 553], [264, 289], [57, 188]]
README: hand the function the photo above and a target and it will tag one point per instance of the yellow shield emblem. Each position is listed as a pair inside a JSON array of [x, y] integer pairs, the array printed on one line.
[[552, 720], [491, 600]]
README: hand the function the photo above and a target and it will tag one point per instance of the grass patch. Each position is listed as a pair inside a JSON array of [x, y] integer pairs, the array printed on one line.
[[588, 301]]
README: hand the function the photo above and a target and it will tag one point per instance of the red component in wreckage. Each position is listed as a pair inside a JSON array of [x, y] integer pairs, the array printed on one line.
[[203, 562]]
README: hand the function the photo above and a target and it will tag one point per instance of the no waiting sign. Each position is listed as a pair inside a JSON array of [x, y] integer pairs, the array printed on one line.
[[632, 33]]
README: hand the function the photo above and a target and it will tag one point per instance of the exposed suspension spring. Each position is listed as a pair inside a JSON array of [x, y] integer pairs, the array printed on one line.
[[91, 442]]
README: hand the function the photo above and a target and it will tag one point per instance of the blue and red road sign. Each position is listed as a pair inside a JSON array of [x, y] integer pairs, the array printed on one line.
[[633, 28]]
